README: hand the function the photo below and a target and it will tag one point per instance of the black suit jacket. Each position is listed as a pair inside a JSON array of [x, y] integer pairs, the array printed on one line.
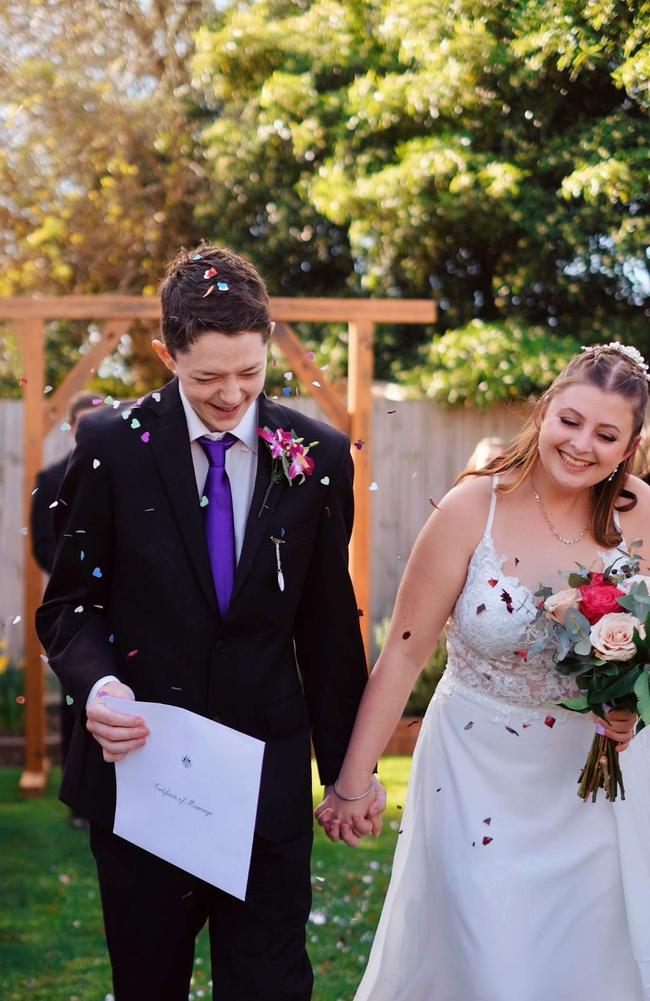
[[141, 603], [48, 483]]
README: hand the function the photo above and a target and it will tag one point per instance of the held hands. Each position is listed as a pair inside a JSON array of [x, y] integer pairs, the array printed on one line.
[[349, 821], [116, 733], [622, 724]]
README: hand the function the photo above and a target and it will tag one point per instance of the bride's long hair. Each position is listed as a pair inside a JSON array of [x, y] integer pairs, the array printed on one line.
[[613, 372]]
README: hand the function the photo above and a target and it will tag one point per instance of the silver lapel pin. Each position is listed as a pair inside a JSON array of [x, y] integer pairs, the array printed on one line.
[[278, 543]]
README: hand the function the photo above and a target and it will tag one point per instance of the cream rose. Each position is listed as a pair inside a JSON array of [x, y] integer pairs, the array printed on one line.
[[611, 636], [557, 605]]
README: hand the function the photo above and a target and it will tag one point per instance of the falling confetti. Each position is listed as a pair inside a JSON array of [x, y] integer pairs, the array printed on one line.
[[210, 273], [468, 726], [132, 653], [20, 699], [406, 635], [66, 427], [359, 443], [479, 609], [223, 286], [391, 411], [206, 294], [316, 384], [197, 257], [97, 573], [549, 722], [22, 382], [15, 620], [79, 608], [511, 730], [492, 582], [288, 376], [286, 391], [145, 437], [505, 597], [96, 463], [135, 423], [373, 486], [96, 401], [487, 840], [111, 638], [204, 501], [517, 561], [125, 415], [325, 481], [487, 820], [360, 612], [48, 389], [156, 397], [69, 700], [522, 654], [82, 555], [310, 355]]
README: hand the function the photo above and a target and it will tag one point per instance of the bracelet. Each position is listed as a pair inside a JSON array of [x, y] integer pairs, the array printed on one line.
[[353, 799]]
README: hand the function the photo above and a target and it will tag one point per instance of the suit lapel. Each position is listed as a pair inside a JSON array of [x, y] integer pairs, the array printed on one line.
[[266, 495], [173, 456]]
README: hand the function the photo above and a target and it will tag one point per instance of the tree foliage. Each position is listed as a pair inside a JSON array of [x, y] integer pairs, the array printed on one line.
[[493, 154]]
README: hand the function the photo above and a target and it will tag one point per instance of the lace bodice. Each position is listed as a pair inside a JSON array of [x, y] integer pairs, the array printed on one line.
[[493, 638]]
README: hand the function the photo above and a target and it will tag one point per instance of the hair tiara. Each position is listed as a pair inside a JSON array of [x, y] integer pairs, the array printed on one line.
[[633, 355]]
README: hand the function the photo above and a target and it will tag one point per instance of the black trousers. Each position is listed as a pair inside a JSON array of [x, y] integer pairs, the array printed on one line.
[[153, 912]]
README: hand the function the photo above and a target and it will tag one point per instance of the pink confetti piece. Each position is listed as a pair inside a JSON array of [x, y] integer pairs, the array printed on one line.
[[20, 699], [132, 653], [480, 608], [492, 582], [311, 355], [359, 444], [97, 401], [487, 840], [468, 726], [145, 437], [210, 273], [406, 635], [549, 722], [487, 820], [22, 382], [521, 654], [206, 294]]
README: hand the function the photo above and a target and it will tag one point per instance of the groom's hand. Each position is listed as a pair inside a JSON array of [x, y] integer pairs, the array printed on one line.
[[347, 821], [116, 733]]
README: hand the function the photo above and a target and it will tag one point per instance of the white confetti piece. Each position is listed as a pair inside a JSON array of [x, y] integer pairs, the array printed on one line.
[[317, 384], [373, 486], [16, 619], [204, 501], [325, 481], [24, 531], [79, 608], [96, 463], [156, 397]]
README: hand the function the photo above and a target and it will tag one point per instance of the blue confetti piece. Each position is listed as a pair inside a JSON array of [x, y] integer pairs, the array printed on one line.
[[69, 700], [197, 257], [97, 572], [286, 391], [66, 427], [82, 555], [223, 286], [111, 638]]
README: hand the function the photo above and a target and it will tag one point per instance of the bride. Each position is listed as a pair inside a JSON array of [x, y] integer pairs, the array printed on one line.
[[505, 885]]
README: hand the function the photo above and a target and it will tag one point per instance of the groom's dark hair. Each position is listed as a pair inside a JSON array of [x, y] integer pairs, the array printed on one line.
[[211, 288]]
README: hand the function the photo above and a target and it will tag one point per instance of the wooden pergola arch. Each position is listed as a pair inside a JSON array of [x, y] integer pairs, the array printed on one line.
[[116, 314]]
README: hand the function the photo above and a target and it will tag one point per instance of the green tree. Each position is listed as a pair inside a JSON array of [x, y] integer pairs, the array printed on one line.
[[100, 167], [493, 154]]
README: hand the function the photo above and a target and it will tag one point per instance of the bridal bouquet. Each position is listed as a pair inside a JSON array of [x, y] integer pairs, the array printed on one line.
[[604, 621]]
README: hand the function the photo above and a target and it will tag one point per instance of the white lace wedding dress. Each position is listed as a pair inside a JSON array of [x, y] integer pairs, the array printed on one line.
[[505, 885]]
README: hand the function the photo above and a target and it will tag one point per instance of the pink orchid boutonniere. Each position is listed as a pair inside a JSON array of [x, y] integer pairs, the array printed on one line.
[[289, 454]]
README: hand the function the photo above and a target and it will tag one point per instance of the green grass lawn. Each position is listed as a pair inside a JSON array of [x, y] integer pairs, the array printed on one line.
[[51, 941]]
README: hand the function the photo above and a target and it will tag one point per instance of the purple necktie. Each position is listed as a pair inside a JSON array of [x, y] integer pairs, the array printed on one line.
[[219, 523]]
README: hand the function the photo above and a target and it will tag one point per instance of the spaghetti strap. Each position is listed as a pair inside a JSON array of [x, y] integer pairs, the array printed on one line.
[[493, 504]]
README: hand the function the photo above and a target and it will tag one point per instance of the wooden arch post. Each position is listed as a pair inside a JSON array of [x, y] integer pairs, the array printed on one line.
[[117, 313]]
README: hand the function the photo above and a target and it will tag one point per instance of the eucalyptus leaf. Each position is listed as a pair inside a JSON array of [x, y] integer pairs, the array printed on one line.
[[642, 692], [577, 580]]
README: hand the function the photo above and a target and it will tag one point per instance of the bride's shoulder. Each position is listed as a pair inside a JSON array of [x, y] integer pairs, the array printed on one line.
[[468, 502], [641, 491]]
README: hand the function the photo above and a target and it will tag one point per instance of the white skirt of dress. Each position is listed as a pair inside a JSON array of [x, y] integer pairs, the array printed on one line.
[[505, 885]]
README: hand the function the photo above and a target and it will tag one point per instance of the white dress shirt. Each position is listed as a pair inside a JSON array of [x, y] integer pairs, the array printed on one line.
[[241, 467]]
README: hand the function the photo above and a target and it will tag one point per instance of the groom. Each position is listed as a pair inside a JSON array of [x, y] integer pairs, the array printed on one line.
[[187, 574]]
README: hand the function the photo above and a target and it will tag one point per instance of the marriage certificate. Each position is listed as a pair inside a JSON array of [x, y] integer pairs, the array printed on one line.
[[190, 794]]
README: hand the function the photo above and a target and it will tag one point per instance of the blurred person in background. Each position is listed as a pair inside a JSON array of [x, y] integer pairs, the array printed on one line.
[[48, 482], [485, 450]]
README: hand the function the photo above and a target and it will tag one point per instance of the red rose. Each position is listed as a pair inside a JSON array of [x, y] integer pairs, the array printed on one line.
[[599, 597]]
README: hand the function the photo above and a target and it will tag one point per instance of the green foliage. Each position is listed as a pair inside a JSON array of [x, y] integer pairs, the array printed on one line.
[[431, 674], [493, 154], [12, 686], [486, 363]]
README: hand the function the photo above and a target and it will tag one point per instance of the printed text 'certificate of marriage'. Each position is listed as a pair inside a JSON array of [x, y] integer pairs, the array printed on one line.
[[190, 794]]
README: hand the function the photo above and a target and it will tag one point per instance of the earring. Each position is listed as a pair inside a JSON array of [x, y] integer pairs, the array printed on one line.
[[612, 474]]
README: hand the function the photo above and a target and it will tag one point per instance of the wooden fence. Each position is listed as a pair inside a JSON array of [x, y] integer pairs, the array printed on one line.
[[418, 449]]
